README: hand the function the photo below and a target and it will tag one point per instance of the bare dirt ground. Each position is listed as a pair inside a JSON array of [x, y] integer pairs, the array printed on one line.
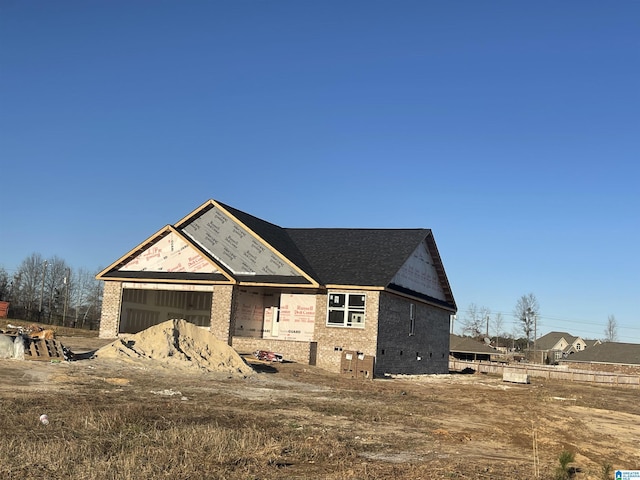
[[456, 426]]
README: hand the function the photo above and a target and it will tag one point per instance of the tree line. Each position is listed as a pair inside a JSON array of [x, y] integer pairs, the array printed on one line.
[[50, 291], [478, 323]]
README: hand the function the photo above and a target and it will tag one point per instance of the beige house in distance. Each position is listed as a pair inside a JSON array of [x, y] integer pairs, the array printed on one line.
[[557, 345], [317, 296]]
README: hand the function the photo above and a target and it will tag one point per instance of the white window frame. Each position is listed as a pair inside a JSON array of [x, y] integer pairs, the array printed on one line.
[[352, 313]]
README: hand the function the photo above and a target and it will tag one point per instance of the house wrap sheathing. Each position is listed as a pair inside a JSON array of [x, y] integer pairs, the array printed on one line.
[[317, 296]]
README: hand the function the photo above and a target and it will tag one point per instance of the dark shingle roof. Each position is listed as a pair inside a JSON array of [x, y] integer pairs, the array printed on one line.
[[609, 352], [275, 236], [367, 257], [468, 345], [548, 341], [328, 256], [339, 256]]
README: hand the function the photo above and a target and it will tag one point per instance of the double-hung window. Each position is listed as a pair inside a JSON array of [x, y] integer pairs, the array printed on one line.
[[346, 310]]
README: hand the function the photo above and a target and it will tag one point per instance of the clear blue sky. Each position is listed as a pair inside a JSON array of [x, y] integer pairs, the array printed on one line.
[[511, 129]]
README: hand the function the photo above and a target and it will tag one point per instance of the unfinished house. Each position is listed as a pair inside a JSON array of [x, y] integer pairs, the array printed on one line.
[[363, 302]]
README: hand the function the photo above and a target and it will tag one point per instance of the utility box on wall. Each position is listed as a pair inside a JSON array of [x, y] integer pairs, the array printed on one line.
[[356, 364]]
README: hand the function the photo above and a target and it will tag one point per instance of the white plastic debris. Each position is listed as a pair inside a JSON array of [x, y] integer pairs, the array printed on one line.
[[166, 393]]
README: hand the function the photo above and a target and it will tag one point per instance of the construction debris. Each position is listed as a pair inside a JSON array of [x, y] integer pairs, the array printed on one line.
[[12, 347], [31, 331], [23, 347], [266, 356]]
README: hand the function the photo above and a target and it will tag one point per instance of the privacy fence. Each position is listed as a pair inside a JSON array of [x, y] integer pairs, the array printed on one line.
[[548, 372]]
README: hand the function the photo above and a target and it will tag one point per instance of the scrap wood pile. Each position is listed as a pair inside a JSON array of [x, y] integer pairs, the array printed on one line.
[[31, 331]]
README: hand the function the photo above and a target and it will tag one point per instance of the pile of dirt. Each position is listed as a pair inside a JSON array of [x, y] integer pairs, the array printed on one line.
[[178, 343]]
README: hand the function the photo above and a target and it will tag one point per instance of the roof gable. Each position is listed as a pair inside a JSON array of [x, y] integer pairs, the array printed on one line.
[[166, 255], [551, 340], [171, 253], [237, 245], [418, 273]]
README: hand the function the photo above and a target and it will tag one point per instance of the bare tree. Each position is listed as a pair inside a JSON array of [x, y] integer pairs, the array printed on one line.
[[526, 311], [611, 330], [498, 324], [54, 285], [485, 314], [475, 321], [81, 291], [27, 289], [5, 284]]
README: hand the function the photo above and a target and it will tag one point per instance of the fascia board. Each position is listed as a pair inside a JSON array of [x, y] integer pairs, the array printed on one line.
[[279, 285], [138, 249], [353, 287], [166, 280], [421, 300], [435, 254], [183, 220]]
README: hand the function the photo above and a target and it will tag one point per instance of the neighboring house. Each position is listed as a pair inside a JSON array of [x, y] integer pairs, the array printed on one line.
[[607, 356], [317, 296], [556, 345], [466, 348]]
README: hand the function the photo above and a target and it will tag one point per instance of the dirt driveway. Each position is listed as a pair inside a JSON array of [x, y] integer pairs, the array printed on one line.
[[463, 426]]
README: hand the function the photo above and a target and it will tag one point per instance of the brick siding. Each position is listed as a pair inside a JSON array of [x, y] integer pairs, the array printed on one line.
[[222, 308], [110, 315], [385, 335], [424, 352]]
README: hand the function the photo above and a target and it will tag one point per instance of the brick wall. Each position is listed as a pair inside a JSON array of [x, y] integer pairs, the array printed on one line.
[[332, 341], [110, 315], [384, 336], [424, 352], [222, 307]]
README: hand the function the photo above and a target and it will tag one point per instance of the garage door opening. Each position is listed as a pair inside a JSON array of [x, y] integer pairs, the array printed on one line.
[[142, 309]]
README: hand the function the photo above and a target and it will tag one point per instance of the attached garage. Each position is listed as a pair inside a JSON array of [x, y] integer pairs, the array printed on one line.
[[310, 294]]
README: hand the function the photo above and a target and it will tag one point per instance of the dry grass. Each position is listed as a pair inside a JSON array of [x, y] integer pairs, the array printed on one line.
[[296, 423], [126, 434], [135, 435], [158, 439]]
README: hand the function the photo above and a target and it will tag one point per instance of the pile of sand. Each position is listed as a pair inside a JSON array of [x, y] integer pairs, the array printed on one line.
[[178, 343]]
